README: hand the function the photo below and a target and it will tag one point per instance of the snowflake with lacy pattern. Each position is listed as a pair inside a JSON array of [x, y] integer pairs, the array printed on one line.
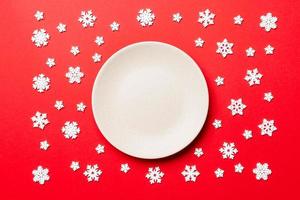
[[50, 62], [253, 77], [267, 127], [74, 50], [145, 17], [92, 172], [114, 26], [228, 150], [39, 15], [262, 171], [40, 120], [190, 173], [217, 123], [41, 83], [100, 149], [61, 27], [96, 57], [81, 107], [206, 18], [238, 20], [236, 106], [99, 40], [268, 22], [70, 130], [154, 175], [59, 105], [74, 75], [87, 19], [224, 48], [40, 175], [40, 37], [238, 168], [219, 80], [199, 42], [269, 50], [268, 96], [44, 145]]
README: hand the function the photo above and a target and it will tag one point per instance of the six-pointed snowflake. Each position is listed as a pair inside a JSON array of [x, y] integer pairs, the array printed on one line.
[[228, 150], [238, 168], [59, 105], [219, 173], [199, 42], [125, 168], [268, 96], [74, 165], [44, 145], [267, 127], [40, 175], [40, 37], [253, 77], [206, 17], [99, 148], [61, 27], [87, 19], [99, 40], [145, 17], [268, 22], [238, 20], [70, 130], [262, 171], [224, 48], [50, 62], [114, 26], [190, 173], [269, 50], [177, 17], [81, 107], [217, 123], [219, 80], [41, 83], [96, 57], [40, 120], [75, 50], [39, 15], [247, 134], [236, 106], [74, 75], [250, 52], [198, 152], [154, 175], [92, 172]]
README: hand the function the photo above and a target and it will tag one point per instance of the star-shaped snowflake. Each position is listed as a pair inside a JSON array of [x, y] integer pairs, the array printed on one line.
[[238, 20], [247, 134], [236, 106], [238, 168], [61, 27], [269, 50], [267, 127], [262, 171], [39, 15], [224, 48], [92, 172], [44, 145], [50, 62], [253, 77], [154, 175], [125, 168], [74, 165], [96, 57], [198, 152], [40, 175], [199, 42], [81, 107], [177, 17], [268, 96], [41, 83], [99, 148], [219, 173], [114, 26], [228, 150], [219, 80], [99, 40], [87, 19], [268, 22], [40, 37], [59, 105], [74, 75], [75, 50], [145, 17], [70, 130], [250, 52], [190, 173], [206, 18], [217, 123], [40, 120]]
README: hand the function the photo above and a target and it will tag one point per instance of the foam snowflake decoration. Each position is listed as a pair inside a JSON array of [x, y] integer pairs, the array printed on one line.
[[70, 130], [74, 75], [238, 168], [81, 107], [50, 62], [114, 26], [99, 40], [74, 165], [198, 152], [61, 27], [262, 171], [145, 17], [39, 15], [99, 149], [59, 105], [238, 20], [250, 52], [267, 127], [154, 175], [268, 96], [44, 145], [199, 42], [40, 37], [219, 80], [236, 106], [125, 168], [40, 120], [41, 83], [40, 175], [219, 173], [92, 172], [87, 19], [75, 50], [228, 150], [268, 22], [190, 173], [224, 48], [253, 77], [247, 134], [177, 17], [96, 57], [206, 18], [269, 50], [217, 123]]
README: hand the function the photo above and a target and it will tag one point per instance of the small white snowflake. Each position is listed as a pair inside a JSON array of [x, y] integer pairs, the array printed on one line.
[[74, 165], [190, 173], [268, 22], [70, 130], [114, 26], [224, 48], [39, 15], [217, 123], [154, 175], [40, 37], [177, 17], [219, 173], [40, 175], [61, 27], [40, 120], [267, 127], [75, 50], [74, 75], [87, 19], [269, 50], [268, 96], [198, 152], [44, 145], [206, 18], [262, 171], [145, 17], [238, 20], [250, 52], [253, 77], [228, 150], [92, 172], [247, 134], [99, 40], [96, 57], [59, 105], [219, 80], [199, 42], [99, 149], [50, 62], [238, 168], [236, 106], [81, 107], [125, 168], [41, 83]]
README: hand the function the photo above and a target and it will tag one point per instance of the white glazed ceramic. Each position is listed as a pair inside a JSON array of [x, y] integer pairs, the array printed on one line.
[[150, 100]]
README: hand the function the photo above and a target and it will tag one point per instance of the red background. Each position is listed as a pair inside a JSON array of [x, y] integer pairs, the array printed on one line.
[[21, 60]]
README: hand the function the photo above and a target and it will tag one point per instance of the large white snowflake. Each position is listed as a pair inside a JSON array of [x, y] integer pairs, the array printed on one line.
[[228, 150], [70, 130], [236, 106], [268, 22], [206, 17], [262, 171], [253, 77], [92, 173], [145, 17], [87, 19], [74, 74], [41, 83], [40, 175], [190, 173], [40, 120], [40, 37], [224, 48], [267, 127], [154, 175]]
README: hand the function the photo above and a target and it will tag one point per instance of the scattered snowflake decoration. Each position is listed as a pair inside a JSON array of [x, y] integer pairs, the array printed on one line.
[[199, 42], [96, 57], [247, 134], [70, 130], [154, 175], [238, 168], [228, 150], [267, 127], [39, 120], [269, 50], [40, 37], [99, 40], [39, 15], [74, 75], [87, 19], [81, 107], [219, 173], [114, 26], [59, 105], [190, 173], [253, 77], [262, 171], [268, 22], [217, 123], [75, 50], [92, 172], [238, 20], [61, 27], [206, 18], [74, 165], [177, 17], [268, 96], [125, 168], [198, 152], [250, 52], [50, 62], [236, 106], [41, 83], [224, 48], [40, 175], [145, 17], [99, 148], [44, 145], [219, 80]]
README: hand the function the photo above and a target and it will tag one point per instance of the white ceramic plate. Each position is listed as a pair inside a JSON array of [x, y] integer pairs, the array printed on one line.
[[150, 100]]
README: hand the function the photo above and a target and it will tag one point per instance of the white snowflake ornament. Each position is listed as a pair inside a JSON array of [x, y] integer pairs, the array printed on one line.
[[247, 134], [269, 50], [74, 75], [268, 22], [40, 175], [177, 17], [262, 171], [219, 80], [61, 27], [228, 150], [99, 40], [92, 172], [41, 83], [206, 17], [40, 120], [99, 149], [44, 145], [50, 62], [154, 175], [39, 15], [253, 77], [198, 152], [145, 17], [267, 127], [40, 37], [219, 173], [238, 168], [59, 105], [87, 19], [217, 123], [199, 42], [190, 173], [250, 52], [81, 107], [236, 106], [114, 26], [238, 20], [74, 165], [96, 57], [224, 48], [268, 96], [125, 168], [75, 50], [70, 130]]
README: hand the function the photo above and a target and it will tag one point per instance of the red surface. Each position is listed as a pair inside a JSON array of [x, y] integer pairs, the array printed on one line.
[[21, 60]]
